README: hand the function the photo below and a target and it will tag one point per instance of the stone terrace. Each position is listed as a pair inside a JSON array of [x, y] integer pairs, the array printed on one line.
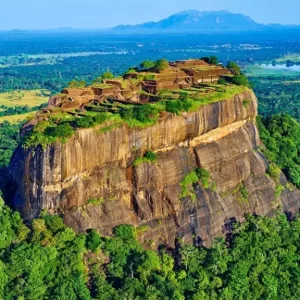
[[140, 87]]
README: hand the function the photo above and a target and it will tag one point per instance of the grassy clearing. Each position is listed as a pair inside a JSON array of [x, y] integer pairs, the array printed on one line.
[[21, 98], [62, 116], [257, 70], [102, 86], [17, 118], [123, 82], [195, 103]]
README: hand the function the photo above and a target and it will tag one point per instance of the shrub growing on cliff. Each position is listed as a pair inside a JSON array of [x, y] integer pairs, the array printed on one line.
[[107, 75], [234, 68], [149, 77], [222, 81], [46, 133], [38, 136], [90, 121], [100, 118], [64, 130], [204, 177], [142, 113], [212, 60], [180, 105], [149, 157], [187, 185], [147, 65], [77, 84], [274, 172], [240, 80], [161, 64], [198, 175], [85, 122], [99, 80]]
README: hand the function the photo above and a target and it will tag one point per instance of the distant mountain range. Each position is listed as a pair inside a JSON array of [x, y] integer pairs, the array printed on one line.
[[196, 21]]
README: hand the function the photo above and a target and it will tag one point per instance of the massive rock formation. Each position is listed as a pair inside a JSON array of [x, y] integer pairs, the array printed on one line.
[[92, 183]]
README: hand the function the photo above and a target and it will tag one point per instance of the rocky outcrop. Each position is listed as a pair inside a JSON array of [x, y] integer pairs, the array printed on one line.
[[92, 183]]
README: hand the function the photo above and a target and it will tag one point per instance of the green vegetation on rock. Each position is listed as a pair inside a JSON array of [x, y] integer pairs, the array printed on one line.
[[149, 157], [78, 84], [234, 68], [46, 133], [159, 65], [95, 201], [274, 172], [212, 60], [240, 80], [241, 194], [57, 128], [98, 82], [197, 176], [278, 190], [147, 65]]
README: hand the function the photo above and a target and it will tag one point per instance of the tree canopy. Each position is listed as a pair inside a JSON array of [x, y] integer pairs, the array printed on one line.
[[77, 84], [161, 64], [44, 259], [234, 68], [212, 60], [281, 136]]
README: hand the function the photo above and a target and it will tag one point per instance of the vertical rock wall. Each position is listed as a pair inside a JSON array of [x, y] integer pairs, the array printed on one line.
[[220, 137]]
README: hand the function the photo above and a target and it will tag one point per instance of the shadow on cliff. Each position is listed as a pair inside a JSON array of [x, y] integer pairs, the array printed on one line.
[[7, 186]]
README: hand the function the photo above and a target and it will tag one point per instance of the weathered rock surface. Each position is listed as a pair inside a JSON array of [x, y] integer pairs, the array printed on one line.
[[221, 137]]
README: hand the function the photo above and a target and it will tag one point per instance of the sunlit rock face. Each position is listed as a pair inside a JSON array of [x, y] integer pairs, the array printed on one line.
[[220, 137]]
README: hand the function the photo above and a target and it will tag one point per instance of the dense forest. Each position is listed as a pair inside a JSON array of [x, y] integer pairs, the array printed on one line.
[[9, 139], [44, 259], [277, 94], [281, 137]]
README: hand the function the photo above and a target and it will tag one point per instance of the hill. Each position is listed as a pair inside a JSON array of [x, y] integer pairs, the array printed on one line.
[[196, 21]]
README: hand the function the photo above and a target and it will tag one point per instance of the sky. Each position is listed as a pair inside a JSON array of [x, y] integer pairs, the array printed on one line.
[[45, 14]]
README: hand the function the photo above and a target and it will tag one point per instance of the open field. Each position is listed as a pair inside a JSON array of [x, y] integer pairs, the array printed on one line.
[[27, 60], [16, 118], [259, 70], [20, 98], [292, 82], [295, 57]]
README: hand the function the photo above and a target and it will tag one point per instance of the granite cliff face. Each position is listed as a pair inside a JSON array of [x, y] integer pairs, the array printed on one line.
[[220, 137]]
